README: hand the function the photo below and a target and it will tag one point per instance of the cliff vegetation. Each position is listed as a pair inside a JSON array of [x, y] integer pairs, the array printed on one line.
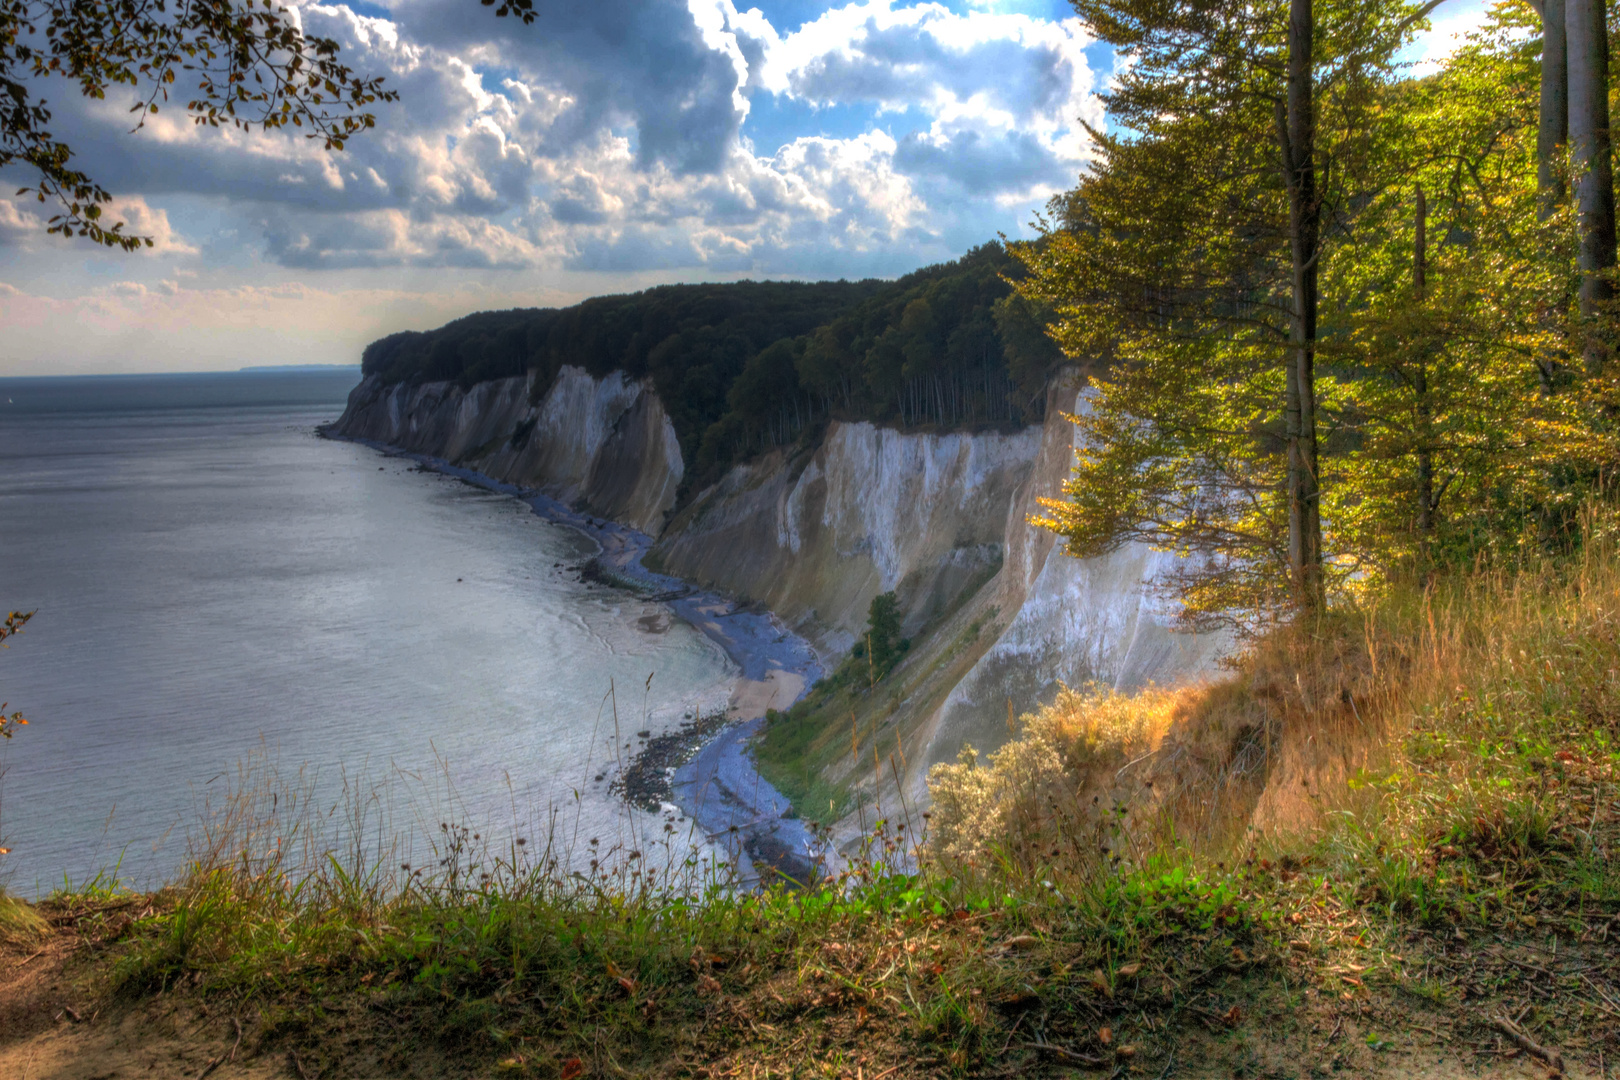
[[744, 367]]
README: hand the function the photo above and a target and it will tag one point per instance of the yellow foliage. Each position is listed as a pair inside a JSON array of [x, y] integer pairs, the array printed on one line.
[[1384, 728], [1028, 794]]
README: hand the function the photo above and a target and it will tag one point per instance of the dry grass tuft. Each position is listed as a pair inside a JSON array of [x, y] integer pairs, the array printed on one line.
[[19, 922], [1386, 728]]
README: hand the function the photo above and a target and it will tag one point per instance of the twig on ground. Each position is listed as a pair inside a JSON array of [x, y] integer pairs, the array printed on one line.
[[298, 1065], [1011, 1033], [25, 959], [1065, 1054], [1527, 1044], [238, 1041]]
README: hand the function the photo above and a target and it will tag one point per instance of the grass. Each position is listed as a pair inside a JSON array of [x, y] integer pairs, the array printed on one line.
[[1376, 840], [815, 752], [19, 922]]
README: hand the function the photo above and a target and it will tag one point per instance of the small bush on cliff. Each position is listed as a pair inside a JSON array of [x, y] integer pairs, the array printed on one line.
[[799, 745], [881, 646]]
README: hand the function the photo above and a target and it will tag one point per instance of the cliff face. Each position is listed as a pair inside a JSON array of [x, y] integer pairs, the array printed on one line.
[[817, 536], [604, 444], [1000, 615], [1061, 619]]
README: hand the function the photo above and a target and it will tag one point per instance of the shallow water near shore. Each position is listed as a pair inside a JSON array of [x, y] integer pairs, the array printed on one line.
[[212, 581]]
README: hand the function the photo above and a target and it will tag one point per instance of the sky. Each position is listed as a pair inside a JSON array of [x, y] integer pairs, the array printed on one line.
[[609, 146]]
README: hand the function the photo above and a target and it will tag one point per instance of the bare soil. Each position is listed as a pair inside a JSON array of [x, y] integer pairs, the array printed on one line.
[[1431, 1014]]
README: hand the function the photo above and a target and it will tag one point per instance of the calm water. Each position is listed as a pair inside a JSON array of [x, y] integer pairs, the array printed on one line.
[[213, 581]]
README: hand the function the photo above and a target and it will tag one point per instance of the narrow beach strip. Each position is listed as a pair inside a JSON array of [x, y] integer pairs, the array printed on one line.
[[718, 787]]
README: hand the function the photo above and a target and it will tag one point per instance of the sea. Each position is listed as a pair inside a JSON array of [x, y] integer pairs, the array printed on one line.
[[246, 634]]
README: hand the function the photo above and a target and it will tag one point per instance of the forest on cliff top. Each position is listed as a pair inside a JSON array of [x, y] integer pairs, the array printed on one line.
[[745, 366]]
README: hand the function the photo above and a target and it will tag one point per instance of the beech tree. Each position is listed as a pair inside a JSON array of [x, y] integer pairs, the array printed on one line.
[[1190, 253], [1414, 391], [1552, 131], [243, 64], [1450, 444], [1591, 169]]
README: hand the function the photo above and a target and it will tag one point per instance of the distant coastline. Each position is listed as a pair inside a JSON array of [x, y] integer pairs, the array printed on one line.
[[271, 369]]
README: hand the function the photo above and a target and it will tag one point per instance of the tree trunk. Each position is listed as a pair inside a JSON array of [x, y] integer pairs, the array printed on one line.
[[1420, 388], [1299, 136], [1552, 134], [1587, 40]]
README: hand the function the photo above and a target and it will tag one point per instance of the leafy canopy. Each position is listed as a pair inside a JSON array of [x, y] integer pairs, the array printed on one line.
[[1169, 260]]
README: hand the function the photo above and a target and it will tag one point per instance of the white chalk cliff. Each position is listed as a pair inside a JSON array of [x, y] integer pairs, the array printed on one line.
[[1001, 615], [603, 444]]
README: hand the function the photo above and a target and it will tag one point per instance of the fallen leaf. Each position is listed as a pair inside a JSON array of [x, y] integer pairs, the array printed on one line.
[[1129, 971], [1105, 1035], [572, 1068], [1099, 983]]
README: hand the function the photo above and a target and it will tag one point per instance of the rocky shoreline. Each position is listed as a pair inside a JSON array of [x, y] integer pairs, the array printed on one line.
[[646, 783], [713, 781]]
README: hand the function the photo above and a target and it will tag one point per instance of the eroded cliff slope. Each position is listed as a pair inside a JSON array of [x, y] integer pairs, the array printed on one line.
[[604, 445], [998, 613], [817, 534]]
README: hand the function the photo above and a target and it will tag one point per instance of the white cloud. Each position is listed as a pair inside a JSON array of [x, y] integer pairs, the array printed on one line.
[[1449, 27], [616, 137], [23, 221]]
